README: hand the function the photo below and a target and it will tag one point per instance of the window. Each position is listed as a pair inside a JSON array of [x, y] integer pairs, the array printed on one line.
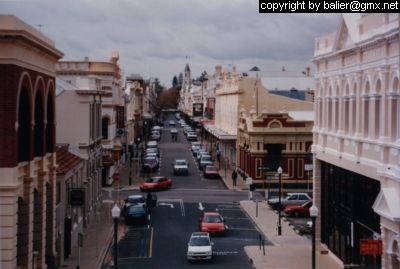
[[104, 127]]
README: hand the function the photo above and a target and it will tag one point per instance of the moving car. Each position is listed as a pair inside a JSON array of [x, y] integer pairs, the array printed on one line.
[[210, 171], [155, 184], [174, 131], [212, 222], [181, 167], [171, 123], [298, 210], [290, 199], [137, 214], [152, 144], [199, 247]]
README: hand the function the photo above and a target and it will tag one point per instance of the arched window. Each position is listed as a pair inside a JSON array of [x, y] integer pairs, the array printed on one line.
[[377, 109], [395, 130], [365, 113], [50, 126], [24, 124], [39, 126], [104, 127]]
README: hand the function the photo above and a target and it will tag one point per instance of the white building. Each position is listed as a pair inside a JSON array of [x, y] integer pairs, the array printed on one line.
[[357, 138], [105, 76]]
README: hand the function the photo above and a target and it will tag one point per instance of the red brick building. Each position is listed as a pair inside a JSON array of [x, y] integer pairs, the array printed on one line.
[[270, 140]]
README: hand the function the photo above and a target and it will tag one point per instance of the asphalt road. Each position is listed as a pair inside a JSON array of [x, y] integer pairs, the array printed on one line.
[[163, 242]]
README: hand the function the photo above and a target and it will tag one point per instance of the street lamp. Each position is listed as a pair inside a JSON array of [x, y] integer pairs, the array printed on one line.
[[279, 203], [115, 213], [313, 214]]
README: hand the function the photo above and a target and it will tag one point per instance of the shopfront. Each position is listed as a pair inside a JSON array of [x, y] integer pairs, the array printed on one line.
[[347, 216]]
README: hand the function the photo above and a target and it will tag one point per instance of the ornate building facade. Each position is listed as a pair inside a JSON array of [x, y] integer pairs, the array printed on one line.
[[27, 146], [357, 138]]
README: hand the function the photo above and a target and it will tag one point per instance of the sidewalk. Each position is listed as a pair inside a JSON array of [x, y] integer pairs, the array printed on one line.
[[98, 234], [288, 251]]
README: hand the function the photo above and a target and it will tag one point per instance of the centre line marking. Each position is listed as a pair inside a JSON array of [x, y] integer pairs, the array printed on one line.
[[151, 243]]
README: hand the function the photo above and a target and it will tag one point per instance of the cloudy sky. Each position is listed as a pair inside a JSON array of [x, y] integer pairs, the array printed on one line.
[[154, 37]]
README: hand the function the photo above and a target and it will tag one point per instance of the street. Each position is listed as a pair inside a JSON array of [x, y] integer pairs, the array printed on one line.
[[163, 242]]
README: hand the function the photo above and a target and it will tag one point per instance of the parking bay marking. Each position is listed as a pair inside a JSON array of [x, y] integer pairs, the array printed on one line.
[[168, 204]]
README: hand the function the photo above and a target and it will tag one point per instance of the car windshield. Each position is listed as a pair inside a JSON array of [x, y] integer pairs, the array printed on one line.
[[206, 159], [136, 209], [212, 219], [211, 169], [152, 180], [138, 199], [180, 162], [199, 241]]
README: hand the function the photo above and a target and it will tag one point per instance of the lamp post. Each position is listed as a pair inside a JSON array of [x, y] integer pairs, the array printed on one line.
[[313, 214], [279, 203], [115, 213], [130, 168]]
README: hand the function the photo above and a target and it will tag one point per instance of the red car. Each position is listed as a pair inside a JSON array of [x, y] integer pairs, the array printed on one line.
[[211, 172], [298, 210], [212, 222], [156, 183]]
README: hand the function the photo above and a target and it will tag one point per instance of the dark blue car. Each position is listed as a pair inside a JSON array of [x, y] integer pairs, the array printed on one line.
[[137, 214]]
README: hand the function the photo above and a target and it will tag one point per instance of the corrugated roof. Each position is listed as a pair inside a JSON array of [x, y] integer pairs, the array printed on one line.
[[66, 160]]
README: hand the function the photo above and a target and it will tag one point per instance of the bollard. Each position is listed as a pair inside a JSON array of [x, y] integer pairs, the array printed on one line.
[[263, 244], [257, 208]]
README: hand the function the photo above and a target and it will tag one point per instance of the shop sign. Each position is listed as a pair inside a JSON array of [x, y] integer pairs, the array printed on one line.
[[77, 197], [370, 247]]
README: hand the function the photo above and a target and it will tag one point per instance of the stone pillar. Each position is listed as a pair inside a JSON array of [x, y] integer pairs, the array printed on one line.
[[317, 195], [8, 227]]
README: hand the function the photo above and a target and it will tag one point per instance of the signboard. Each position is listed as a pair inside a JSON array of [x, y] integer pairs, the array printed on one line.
[[120, 116], [77, 197], [370, 247], [308, 167], [198, 110]]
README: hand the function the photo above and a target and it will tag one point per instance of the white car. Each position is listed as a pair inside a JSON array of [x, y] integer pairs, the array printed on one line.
[[199, 247], [181, 167]]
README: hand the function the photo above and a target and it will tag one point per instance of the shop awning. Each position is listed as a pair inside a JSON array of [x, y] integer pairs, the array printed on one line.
[[387, 204], [218, 133]]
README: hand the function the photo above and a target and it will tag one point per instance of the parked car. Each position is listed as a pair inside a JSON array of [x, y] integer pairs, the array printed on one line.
[[200, 153], [153, 150], [152, 144], [150, 164], [199, 247], [212, 222], [298, 210], [137, 214], [181, 167], [155, 135], [157, 129], [211, 171], [204, 161], [290, 199], [171, 123], [155, 184], [191, 136], [133, 200]]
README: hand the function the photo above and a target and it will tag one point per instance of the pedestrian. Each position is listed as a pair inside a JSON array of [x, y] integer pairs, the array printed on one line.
[[234, 178], [249, 183], [218, 155], [149, 200]]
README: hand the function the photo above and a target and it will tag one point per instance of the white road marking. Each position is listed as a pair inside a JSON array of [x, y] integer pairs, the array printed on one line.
[[171, 205], [201, 207]]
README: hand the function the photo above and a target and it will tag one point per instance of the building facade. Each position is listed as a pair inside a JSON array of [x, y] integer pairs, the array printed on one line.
[[70, 175], [105, 76], [357, 138], [27, 146], [270, 140]]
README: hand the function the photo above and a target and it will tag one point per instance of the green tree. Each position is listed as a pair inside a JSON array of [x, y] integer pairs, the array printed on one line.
[[174, 81]]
